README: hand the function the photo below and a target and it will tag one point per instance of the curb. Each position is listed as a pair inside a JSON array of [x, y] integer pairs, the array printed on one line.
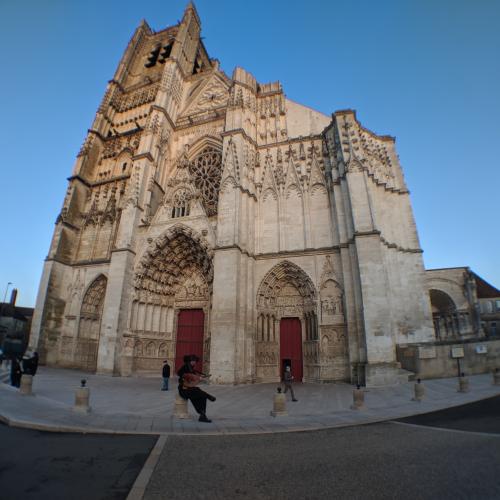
[[13, 422]]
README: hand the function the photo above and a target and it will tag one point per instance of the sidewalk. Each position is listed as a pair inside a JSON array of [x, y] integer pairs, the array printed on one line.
[[137, 406]]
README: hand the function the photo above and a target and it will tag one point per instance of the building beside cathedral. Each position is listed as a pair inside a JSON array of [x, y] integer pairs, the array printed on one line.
[[210, 214]]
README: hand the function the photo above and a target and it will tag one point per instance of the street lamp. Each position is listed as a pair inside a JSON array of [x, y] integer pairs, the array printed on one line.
[[5, 297], [6, 290]]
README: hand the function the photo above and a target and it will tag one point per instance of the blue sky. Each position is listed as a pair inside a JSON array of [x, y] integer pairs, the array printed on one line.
[[426, 72]]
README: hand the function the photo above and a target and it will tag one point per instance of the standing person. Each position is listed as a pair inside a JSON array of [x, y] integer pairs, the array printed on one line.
[[188, 378], [15, 372], [30, 365], [166, 375], [288, 380]]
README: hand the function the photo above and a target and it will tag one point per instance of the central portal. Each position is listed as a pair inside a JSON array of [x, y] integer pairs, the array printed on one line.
[[190, 325], [291, 346]]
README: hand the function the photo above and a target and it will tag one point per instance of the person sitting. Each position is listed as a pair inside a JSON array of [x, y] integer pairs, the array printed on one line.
[[189, 377]]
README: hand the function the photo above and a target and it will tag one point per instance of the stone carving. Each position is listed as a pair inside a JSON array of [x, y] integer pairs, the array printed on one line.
[[116, 144], [127, 101], [170, 258], [214, 95], [280, 279], [267, 354], [194, 288], [75, 290], [231, 165], [333, 343], [87, 145]]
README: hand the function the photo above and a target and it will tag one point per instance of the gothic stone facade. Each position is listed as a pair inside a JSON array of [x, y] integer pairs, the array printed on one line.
[[212, 214]]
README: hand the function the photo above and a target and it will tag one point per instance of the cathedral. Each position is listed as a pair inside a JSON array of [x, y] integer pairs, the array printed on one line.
[[210, 214]]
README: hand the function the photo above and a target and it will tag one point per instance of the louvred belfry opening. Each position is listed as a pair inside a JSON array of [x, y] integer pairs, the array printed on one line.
[[190, 324]]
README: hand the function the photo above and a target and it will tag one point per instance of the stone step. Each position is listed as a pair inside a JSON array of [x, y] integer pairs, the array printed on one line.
[[404, 376]]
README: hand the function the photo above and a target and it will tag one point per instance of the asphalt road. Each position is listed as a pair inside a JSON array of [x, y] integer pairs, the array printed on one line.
[[45, 465], [482, 416], [379, 461]]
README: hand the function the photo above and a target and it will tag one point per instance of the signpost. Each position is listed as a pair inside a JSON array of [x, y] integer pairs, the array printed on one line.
[[457, 353]]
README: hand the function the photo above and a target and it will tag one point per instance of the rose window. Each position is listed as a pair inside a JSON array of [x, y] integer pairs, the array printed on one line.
[[206, 172]]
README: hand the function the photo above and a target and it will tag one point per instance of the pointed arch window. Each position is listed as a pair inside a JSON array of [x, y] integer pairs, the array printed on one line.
[[180, 204]]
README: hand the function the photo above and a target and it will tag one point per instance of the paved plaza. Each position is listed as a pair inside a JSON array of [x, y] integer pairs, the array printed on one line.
[[138, 406]]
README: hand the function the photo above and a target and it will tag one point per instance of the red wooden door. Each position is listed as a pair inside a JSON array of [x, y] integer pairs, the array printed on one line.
[[189, 336], [291, 346]]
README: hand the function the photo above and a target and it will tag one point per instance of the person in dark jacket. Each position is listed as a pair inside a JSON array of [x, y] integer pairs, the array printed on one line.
[[166, 375], [30, 365], [15, 372], [188, 376], [288, 381]]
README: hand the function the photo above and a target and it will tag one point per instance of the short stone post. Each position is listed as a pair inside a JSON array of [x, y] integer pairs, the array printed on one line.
[[279, 404], [419, 391], [496, 377], [358, 399], [463, 383], [181, 407], [26, 385], [82, 397]]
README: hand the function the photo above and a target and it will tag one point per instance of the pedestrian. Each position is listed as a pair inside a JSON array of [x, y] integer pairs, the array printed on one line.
[[30, 365], [189, 377], [15, 372], [166, 375], [288, 380]]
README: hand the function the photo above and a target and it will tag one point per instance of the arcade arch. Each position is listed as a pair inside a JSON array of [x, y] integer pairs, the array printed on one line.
[[448, 321]]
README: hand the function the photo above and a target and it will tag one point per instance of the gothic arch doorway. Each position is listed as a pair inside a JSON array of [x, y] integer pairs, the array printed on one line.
[[89, 326], [286, 323], [171, 302]]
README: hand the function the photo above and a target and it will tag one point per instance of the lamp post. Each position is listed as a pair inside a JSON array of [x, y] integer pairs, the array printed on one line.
[[5, 296]]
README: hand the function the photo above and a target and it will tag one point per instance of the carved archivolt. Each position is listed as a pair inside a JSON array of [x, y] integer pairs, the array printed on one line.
[[93, 301], [179, 253], [278, 282]]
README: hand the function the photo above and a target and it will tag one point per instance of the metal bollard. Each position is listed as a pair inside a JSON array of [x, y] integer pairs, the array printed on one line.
[[419, 391], [358, 399], [463, 384], [279, 404], [180, 407], [496, 377], [26, 387], [82, 397]]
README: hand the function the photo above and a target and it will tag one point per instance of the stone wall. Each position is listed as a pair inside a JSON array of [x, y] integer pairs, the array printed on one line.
[[435, 360]]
